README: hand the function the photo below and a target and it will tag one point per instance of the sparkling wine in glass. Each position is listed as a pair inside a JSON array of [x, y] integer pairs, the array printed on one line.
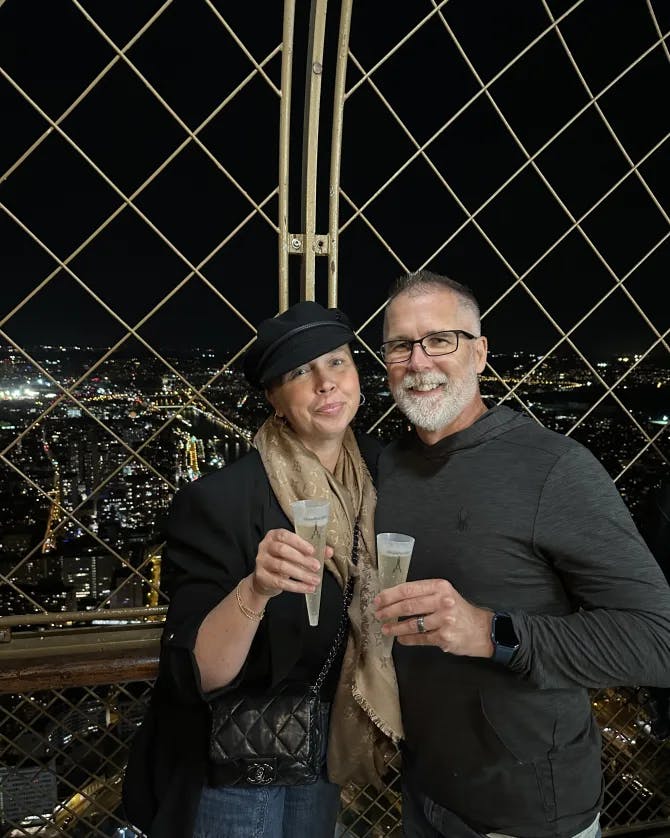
[[310, 518], [394, 553]]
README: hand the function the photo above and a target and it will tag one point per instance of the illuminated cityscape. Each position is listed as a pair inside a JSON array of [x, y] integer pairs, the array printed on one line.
[[84, 503], [82, 511], [175, 172], [95, 461]]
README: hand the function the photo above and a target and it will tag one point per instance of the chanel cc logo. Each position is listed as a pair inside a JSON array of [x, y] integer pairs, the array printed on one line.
[[260, 773]]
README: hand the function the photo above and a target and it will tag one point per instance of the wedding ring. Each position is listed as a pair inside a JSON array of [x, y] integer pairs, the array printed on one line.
[[420, 624]]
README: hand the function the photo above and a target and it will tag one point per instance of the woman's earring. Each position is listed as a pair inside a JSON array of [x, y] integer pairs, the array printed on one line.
[[362, 401]]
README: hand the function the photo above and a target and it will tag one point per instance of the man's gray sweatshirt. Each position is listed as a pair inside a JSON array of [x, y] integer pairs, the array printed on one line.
[[523, 520]]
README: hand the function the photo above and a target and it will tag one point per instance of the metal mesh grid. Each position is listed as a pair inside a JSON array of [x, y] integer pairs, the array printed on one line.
[[63, 752], [392, 137], [124, 450], [636, 767], [572, 220]]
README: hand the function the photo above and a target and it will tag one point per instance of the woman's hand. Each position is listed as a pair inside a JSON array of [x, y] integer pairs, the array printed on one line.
[[285, 562]]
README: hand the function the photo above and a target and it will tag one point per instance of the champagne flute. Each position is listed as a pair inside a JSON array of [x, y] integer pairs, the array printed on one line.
[[310, 518], [394, 552]]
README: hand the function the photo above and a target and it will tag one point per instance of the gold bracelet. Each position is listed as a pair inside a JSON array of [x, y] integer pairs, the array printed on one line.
[[256, 616]]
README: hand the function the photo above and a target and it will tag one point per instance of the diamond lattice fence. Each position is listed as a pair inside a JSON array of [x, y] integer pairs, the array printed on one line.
[[134, 188], [521, 148], [528, 156], [63, 752]]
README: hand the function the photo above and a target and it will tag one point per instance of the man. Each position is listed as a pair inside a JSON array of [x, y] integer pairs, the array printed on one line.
[[528, 584]]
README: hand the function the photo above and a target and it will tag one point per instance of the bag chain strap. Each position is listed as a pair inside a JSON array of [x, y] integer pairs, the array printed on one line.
[[344, 618]]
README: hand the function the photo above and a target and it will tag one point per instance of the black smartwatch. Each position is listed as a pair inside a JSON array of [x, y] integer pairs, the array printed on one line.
[[505, 642]]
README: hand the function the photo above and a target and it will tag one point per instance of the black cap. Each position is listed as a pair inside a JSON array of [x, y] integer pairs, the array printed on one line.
[[301, 333]]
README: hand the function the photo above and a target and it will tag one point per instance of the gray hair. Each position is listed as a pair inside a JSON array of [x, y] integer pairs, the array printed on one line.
[[419, 282]]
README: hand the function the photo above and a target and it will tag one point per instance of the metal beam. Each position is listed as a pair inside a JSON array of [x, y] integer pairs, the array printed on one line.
[[336, 149], [284, 149], [317, 34]]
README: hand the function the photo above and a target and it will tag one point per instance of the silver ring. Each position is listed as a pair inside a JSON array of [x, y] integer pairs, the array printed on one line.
[[420, 623]]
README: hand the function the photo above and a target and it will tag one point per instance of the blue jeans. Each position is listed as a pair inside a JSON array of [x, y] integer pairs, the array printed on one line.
[[422, 818], [270, 811]]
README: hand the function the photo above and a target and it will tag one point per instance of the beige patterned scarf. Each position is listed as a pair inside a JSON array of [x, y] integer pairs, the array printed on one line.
[[365, 718]]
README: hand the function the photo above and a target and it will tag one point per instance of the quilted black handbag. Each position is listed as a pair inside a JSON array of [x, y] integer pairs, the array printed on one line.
[[260, 739]]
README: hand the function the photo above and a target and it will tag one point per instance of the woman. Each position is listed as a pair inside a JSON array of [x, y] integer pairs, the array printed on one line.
[[237, 616]]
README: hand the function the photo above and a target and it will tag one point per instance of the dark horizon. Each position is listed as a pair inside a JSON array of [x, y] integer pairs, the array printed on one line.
[[220, 352]]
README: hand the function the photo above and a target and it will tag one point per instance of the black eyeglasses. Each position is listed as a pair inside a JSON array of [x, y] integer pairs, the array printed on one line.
[[436, 343]]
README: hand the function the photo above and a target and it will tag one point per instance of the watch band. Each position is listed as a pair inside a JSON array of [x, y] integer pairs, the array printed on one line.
[[505, 642]]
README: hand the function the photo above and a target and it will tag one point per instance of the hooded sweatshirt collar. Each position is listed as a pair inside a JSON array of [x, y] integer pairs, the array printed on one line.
[[498, 419]]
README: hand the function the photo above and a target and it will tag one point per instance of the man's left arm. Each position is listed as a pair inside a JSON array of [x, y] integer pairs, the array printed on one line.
[[619, 633]]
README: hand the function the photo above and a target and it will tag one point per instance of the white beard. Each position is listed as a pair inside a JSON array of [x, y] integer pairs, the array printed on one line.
[[434, 412]]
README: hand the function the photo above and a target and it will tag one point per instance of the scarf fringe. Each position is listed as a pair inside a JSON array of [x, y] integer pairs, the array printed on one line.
[[370, 711]]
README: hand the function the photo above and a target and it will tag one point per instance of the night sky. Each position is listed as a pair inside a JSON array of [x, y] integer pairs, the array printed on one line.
[[53, 53]]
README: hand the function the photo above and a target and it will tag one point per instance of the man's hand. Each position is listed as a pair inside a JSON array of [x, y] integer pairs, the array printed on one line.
[[449, 621]]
